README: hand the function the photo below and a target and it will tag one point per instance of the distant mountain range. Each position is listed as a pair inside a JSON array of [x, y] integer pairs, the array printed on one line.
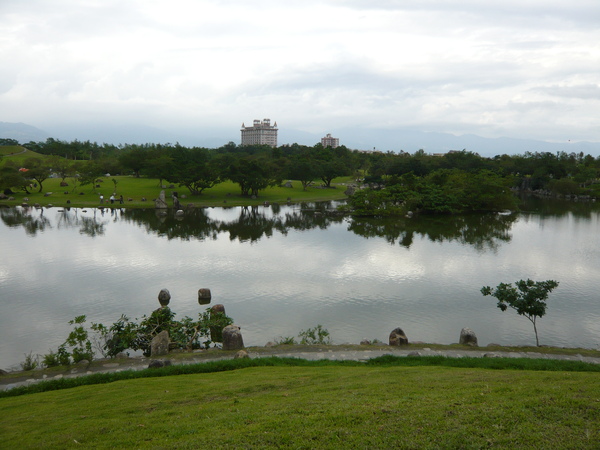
[[409, 140]]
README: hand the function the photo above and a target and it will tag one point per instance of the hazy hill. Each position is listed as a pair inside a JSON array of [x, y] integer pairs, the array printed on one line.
[[22, 132], [406, 139]]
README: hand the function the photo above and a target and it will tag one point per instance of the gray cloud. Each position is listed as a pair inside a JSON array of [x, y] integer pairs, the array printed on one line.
[[489, 67]]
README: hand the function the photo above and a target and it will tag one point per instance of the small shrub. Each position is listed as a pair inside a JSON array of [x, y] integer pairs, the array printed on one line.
[[31, 362], [51, 359], [317, 335], [79, 341], [288, 340]]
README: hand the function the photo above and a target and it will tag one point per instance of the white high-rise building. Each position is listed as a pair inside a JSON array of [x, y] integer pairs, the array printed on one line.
[[260, 133], [329, 141]]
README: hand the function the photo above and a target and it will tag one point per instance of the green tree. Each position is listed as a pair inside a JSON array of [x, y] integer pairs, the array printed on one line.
[[11, 177], [252, 173], [63, 167], [193, 168], [134, 159], [89, 173], [528, 298], [38, 170], [305, 170]]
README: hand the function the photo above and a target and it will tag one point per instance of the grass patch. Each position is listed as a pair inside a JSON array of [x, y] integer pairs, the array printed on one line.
[[224, 194], [235, 364], [136, 189], [379, 405]]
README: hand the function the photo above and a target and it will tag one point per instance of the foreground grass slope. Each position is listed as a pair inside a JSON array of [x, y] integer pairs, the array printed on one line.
[[316, 407]]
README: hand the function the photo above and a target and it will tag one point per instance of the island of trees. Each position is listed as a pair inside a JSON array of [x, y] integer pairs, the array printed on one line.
[[387, 183]]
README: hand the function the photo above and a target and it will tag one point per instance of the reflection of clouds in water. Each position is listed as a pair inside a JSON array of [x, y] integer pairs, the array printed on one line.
[[591, 325], [383, 262], [275, 286]]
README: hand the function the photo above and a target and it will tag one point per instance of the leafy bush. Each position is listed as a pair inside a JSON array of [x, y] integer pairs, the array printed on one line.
[[126, 334], [78, 340], [187, 334], [31, 362], [288, 340], [317, 335]]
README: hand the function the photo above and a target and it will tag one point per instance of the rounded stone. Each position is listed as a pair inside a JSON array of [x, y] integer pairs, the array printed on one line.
[[164, 297]]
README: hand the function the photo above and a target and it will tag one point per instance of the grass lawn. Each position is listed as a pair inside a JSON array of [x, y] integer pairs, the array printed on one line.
[[224, 194], [316, 407]]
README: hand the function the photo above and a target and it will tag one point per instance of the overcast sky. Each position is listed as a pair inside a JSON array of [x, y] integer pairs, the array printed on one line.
[[526, 68]]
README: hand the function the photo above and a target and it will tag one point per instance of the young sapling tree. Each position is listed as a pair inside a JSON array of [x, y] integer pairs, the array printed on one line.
[[528, 298]]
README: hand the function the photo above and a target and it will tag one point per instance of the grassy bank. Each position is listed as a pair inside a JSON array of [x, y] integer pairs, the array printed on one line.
[[337, 405], [134, 190]]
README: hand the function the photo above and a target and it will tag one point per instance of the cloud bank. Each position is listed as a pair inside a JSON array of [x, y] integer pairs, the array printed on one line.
[[496, 68]]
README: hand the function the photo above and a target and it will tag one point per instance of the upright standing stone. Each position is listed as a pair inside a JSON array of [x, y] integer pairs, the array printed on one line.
[[467, 337], [160, 202], [397, 337], [164, 297], [216, 332], [159, 345], [176, 204], [232, 338]]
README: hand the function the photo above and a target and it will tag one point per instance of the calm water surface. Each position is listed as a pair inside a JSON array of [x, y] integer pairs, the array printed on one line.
[[282, 269]]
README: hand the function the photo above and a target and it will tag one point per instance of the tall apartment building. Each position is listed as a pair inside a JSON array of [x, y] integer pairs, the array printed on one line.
[[329, 141], [260, 133]]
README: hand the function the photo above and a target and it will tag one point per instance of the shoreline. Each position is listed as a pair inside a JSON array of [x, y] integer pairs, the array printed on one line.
[[353, 352]]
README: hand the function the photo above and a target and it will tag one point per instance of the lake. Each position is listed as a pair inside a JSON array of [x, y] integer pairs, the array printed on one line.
[[283, 269]]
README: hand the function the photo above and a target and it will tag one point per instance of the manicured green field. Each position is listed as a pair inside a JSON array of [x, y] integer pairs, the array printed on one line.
[[316, 407], [134, 190], [224, 194]]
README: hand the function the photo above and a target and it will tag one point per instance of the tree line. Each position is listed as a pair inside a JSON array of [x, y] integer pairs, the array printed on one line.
[[453, 182]]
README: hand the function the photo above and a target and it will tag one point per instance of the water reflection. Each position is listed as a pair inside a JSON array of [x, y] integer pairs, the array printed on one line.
[[485, 232], [548, 207], [482, 231], [31, 219]]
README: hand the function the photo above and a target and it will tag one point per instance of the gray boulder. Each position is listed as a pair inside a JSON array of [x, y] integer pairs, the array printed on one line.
[[164, 297], [398, 338], [158, 363], [350, 191], [232, 338], [159, 345], [241, 355], [467, 337]]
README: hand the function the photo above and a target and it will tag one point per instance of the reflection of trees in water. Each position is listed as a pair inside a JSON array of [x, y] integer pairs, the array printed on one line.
[[252, 223], [31, 219], [195, 224], [550, 207], [482, 231], [34, 220], [91, 226]]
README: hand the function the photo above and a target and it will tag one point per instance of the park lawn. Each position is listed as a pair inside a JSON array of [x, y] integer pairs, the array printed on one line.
[[316, 407], [136, 189], [16, 152]]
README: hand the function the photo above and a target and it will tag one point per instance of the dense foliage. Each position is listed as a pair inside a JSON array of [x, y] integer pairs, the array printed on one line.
[[126, 334], [458, 181]]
